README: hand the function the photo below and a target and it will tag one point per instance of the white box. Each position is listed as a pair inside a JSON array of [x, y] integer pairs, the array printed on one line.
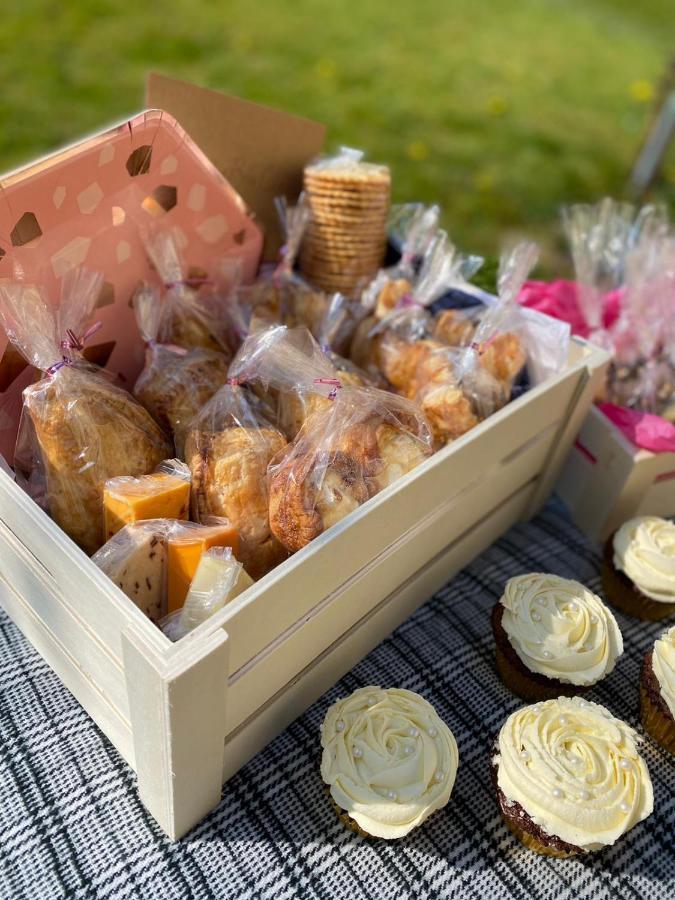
[[186, 716], [607, 480]]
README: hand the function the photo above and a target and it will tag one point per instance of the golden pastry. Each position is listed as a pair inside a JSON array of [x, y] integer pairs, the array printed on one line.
[[454, 327], [173, 387], [229, 479], [87, 431]]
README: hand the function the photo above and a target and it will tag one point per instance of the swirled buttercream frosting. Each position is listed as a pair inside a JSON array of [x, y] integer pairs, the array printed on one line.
[[388, 759], [560, 629], [663, 665], [644, 550], [575, 770]]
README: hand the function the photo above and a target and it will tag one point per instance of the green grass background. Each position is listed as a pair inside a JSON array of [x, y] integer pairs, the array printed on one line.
[[499, 110]]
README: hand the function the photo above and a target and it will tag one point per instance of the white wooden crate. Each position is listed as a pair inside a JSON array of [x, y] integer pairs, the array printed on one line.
[[607, 480], [186, 716]]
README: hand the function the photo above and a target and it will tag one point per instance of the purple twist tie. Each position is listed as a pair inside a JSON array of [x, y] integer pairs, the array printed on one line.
[[53, 369], [74, 342], [406, 301], [334, 382]]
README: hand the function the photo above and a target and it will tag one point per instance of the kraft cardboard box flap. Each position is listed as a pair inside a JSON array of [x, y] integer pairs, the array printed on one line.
[[261, 151]]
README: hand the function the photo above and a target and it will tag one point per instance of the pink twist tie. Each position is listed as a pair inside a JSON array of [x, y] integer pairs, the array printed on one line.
[[406, 301], [74, 342], [334, 382], [481, 347]]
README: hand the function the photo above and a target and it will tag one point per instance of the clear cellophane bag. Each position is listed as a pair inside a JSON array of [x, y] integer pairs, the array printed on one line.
[[176, 381], [77, 428], [229, 445]]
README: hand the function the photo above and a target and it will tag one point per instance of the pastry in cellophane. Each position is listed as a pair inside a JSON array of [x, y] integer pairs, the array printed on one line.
[[289, 362], [77, 428], [229, 446], [175, 382], [345, 454], [281, 296], [195, 311]]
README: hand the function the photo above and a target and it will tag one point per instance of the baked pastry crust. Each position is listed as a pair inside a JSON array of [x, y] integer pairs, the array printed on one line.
[[229, 479], [87, 431], [320, 481]]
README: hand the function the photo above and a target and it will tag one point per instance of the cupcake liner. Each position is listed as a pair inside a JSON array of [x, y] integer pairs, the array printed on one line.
[[621, 593], [532, 843], [346, 819], [659, 726], [518, 679]]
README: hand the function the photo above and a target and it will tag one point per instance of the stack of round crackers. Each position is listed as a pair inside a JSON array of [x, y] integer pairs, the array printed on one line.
[[345, 241]]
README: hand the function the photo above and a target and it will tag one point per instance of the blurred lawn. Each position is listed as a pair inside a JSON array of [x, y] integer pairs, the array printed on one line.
[[500, 110]]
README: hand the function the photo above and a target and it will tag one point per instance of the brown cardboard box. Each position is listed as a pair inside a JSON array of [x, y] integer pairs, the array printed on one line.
[[261, 151]]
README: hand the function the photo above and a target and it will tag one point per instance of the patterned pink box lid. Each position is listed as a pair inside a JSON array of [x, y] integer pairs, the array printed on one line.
[[88, 205]]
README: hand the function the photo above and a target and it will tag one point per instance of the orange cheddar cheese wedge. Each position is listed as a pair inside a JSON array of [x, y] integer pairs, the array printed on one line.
[[185, 548], [157, 496]]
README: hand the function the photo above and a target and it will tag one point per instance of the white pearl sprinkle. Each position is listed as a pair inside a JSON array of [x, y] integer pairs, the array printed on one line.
[[547, 654], [625, 764], [439, 776], [536, 617], [433, 731], [624, 807], [413, 732], [372, 701], [357, 752], [574, 606], [392, 795], [557, 793], [340, 726], [563, 720], [525, 755], [408, 750], [584, 795]]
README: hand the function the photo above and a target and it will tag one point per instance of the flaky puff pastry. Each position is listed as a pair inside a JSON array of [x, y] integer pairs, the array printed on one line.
[[435, 387], [229, 479], [454, 328], [173, 387], [318, 482], [294, 409], [285, 301], [87, 430], [391, 295]]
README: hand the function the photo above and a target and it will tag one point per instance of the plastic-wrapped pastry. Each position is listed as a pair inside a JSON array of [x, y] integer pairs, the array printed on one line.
[[344, 455], [281, 297], [290, 362], [175, 382], [77, 428], [456, 327], [229, 446], [193, 311]]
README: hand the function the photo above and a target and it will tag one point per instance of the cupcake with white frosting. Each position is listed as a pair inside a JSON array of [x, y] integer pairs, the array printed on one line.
[[553, 637], [657, 691], [388, 761], [569, 778], [638, 574]]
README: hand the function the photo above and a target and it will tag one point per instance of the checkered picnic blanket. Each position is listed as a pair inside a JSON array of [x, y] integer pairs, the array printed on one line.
[[71, 824]]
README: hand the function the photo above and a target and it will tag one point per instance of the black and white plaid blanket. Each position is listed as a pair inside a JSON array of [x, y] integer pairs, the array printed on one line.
[[71, 824]]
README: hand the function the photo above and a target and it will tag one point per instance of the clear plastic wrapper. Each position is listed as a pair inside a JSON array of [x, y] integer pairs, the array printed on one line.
[[458, 388], [219, 579], [229, 446], [164, 494], [194, 310], [175, 382], [291, 363], [77, 428], [600, 238], [281, 296], [344, 455], [154, 561]]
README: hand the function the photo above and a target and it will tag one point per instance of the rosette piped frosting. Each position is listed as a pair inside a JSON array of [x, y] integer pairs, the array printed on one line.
[[560, 629], [388, 759], [575, 770], [663, 664], [644, 550]]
